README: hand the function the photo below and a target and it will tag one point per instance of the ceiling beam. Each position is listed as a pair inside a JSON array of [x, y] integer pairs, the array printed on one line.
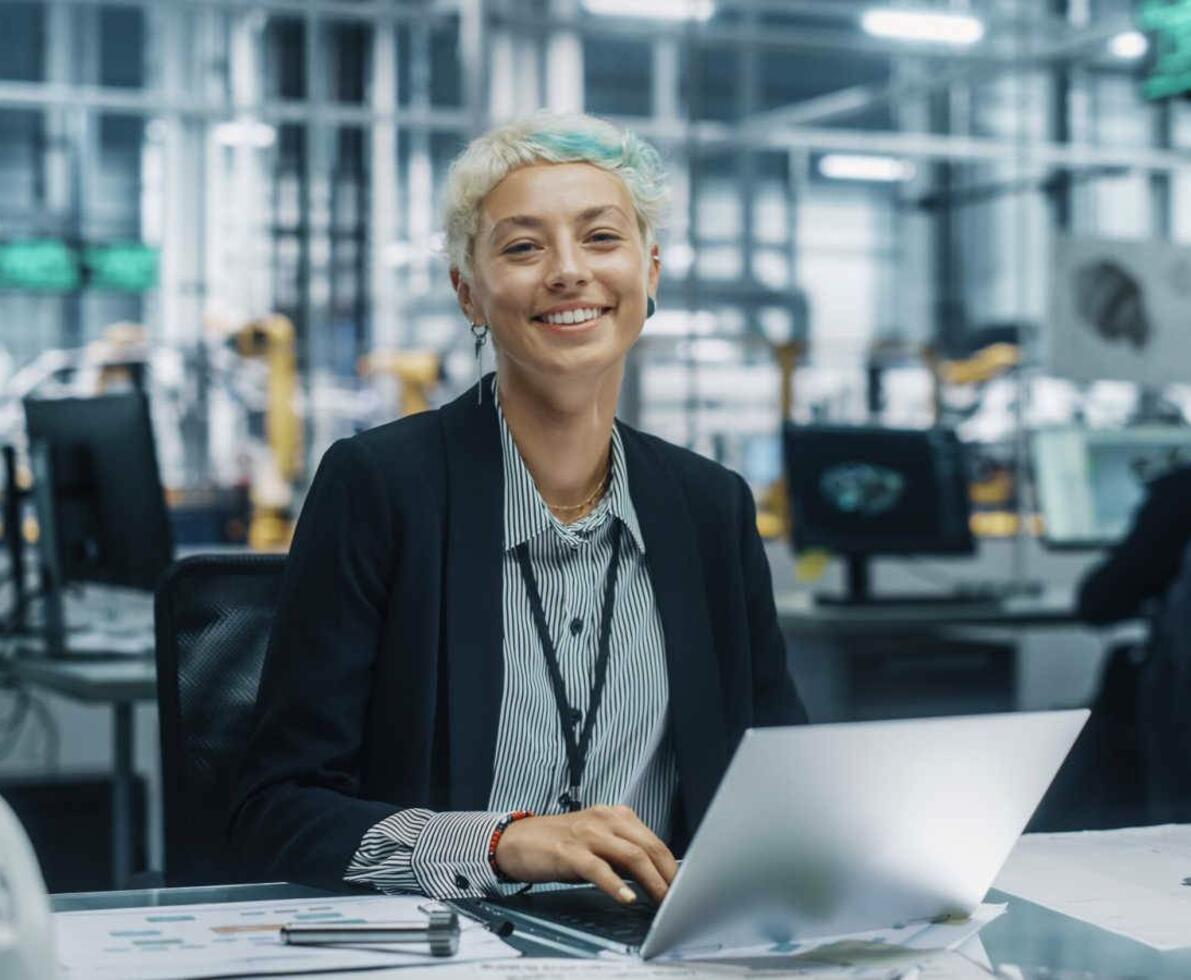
[[859, 98]]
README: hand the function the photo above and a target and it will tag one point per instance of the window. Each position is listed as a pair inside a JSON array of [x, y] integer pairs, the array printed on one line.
[[122, 47]]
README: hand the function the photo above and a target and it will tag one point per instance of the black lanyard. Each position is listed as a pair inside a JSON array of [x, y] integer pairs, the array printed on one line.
[[567, 716]]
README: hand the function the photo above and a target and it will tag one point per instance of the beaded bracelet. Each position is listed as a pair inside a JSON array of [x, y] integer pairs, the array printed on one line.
[[494, 840]]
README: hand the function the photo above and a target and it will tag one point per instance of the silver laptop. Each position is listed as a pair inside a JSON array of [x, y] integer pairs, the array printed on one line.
[[820, 830]]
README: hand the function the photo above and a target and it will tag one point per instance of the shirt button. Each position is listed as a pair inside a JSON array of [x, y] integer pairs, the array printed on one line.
[[576, 626], [462, 882], [574, 716]]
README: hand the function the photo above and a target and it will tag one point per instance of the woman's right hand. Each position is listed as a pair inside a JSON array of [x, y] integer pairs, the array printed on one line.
[[599, 845]]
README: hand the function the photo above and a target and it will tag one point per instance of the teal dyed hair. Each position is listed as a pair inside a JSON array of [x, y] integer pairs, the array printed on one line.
[[550, 138]]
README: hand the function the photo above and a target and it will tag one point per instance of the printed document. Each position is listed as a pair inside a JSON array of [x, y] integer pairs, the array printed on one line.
[[242, 939], [1135, 882]]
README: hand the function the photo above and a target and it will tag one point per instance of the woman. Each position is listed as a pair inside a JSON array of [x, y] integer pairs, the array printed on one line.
[[518, 641]]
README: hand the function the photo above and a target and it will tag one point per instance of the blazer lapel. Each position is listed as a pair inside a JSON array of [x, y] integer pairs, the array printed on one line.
[[676, 573], [474, 626]]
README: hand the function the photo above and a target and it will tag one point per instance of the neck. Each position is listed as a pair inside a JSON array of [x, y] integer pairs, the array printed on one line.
[[563, 429]]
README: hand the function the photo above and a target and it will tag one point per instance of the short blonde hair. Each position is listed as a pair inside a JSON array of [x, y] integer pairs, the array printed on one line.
[[547, 137]]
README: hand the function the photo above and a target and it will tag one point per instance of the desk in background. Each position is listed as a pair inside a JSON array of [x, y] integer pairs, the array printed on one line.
[[930, 658], [799, 615], [119, 684]]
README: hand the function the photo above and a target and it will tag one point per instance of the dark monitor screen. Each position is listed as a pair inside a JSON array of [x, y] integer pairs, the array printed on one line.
[[871, 491], [110, 517]]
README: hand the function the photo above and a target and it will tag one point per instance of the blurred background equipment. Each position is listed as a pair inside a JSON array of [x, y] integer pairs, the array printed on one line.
[[860, 492], [100, 507], [773, 503], [271, 339], [1119, 311], [1090, 482], [416, 373]]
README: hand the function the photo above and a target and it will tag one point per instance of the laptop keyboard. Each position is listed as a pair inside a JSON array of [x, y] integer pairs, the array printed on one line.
[[587, 910]]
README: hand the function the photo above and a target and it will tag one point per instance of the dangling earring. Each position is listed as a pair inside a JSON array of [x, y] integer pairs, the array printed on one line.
[[480, 332], [650, 307]]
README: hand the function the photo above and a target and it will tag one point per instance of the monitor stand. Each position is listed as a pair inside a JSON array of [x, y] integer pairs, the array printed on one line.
[[859, 592]]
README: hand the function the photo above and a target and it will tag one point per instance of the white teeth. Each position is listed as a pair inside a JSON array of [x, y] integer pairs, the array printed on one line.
[[571, 316]]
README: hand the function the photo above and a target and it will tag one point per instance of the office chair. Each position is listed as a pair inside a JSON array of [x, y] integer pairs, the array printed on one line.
[[212, 617]]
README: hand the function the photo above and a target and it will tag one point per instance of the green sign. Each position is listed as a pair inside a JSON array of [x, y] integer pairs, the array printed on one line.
[[1168, 25], [42, 264], [127, 266]]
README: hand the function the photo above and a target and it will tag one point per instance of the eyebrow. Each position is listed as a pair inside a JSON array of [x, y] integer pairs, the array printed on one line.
[[529, 221]]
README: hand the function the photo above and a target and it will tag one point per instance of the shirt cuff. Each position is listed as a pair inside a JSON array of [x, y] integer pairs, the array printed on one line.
[[450, 859], [383, 857]]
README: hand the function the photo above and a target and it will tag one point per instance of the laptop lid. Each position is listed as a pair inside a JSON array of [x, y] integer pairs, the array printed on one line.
[[819, 830]]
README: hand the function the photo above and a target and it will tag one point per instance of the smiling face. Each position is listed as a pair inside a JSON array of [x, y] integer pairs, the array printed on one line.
[[560, 272]]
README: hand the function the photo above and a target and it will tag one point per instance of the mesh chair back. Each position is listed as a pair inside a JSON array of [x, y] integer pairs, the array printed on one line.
[[212, 618]]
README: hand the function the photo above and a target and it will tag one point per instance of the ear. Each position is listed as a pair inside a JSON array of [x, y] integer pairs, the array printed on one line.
[[655, 269], [463, 294]]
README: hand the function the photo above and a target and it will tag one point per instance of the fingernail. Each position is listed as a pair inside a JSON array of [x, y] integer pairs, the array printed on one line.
[[627, 894]]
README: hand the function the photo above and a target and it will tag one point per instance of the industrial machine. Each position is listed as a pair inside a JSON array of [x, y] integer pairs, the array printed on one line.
[[271, 339], [416, 374]]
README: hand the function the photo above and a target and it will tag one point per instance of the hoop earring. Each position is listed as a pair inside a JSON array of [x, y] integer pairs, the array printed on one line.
[[651, 307], [480, 332]]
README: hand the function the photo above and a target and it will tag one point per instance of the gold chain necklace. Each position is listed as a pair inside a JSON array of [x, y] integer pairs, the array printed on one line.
[[599, 490]]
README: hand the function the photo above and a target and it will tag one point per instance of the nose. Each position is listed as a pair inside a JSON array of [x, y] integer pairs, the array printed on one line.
[[568, 270]]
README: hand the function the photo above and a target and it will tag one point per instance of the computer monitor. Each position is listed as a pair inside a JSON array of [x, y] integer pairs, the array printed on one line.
[[860, 491], [97, 488], [1089, 482]]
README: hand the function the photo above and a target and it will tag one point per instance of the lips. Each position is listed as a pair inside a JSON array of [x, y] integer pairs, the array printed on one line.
[[569, 321]]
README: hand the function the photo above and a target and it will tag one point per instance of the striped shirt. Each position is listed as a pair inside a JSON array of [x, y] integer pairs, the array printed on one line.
[[631, 757]]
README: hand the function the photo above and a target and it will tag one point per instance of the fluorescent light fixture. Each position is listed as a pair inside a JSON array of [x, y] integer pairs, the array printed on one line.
[[652, 9], [923, 25], [849, 166], [245, 132], [1129, 46]]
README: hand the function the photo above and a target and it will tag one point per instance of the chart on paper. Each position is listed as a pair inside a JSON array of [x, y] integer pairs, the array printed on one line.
[[197, 941]]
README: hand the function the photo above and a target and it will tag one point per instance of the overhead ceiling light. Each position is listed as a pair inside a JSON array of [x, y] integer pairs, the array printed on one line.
[[850, 166], [1129, 45], [652, 9], [922, 25]]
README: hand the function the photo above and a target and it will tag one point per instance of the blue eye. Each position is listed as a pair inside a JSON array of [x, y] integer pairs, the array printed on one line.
[[518, 248]]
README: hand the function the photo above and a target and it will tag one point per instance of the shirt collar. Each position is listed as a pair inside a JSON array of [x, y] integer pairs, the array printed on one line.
[[525, 512]]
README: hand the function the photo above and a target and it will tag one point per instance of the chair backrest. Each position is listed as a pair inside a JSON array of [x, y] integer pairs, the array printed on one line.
[[212, 618], [1164, 719]]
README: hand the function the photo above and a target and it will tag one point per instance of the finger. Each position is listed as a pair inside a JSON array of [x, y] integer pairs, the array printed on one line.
[[644, 838], [631, 828], [594, 869], [631, 860]]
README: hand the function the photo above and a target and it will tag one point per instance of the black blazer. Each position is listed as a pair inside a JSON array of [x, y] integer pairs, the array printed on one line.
[[383, 679]]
